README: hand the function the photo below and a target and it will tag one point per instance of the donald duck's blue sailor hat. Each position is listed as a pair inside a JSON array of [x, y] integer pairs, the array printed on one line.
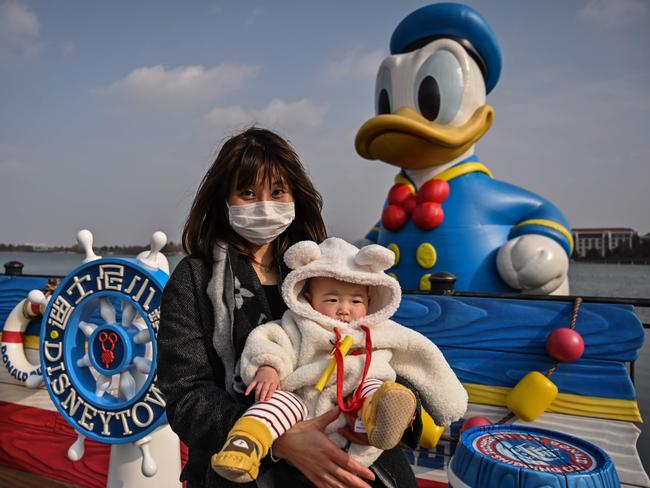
[[455, 21]]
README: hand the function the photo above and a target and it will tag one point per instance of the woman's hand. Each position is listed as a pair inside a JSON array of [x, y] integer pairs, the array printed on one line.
[[307, 447], [265, 383]]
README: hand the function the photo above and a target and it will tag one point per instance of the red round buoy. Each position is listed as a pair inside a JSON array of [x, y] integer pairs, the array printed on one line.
[[565, 345], [475, 422]]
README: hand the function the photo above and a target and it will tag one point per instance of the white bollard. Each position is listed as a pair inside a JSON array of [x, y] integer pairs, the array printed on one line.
[[154, 259], [161, 458], [85, 240]]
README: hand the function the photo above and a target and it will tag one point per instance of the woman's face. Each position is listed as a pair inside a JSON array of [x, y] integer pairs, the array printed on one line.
[[262, 191]]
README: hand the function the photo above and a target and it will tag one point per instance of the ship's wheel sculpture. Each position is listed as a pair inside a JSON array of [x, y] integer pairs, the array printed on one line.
[[98, 348]]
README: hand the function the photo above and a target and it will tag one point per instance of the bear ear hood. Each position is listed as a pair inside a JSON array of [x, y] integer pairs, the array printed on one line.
[[338, 259]]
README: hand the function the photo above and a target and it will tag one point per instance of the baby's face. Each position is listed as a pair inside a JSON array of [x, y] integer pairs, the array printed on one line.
[[337, 299]]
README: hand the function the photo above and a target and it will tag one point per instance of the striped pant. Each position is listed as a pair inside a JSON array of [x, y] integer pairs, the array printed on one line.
[[285, 409]]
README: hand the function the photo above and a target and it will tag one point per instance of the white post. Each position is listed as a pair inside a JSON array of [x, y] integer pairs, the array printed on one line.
[[126, 465]]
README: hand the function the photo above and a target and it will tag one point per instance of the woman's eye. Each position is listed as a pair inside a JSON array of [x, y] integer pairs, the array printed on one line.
[[246, 193], [278, 192], [438, 88]]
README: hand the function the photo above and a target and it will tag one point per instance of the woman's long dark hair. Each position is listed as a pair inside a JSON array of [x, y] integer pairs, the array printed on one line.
[[244, 158]]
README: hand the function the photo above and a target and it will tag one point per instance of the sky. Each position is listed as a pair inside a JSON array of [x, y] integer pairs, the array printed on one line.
[[111, 112]]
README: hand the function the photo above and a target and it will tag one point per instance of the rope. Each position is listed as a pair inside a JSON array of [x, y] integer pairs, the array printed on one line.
[[353, 405], [30, 311], [574, 314], [572, 325], [51, 285]]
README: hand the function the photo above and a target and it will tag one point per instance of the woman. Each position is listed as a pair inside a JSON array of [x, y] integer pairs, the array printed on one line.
[[253, 203]]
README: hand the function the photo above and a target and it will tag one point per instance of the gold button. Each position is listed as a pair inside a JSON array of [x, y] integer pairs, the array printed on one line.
[[426, 255], [425, 283], [395, 248], [54, 334]]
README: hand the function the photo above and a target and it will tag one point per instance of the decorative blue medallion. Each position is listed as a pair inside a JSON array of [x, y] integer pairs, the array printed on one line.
[[98, 349]]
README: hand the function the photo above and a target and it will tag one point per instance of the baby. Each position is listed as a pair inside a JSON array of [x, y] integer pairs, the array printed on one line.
[[337, 290]]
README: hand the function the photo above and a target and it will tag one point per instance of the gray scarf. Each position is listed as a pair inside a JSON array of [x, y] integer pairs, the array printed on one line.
[[221, 293]]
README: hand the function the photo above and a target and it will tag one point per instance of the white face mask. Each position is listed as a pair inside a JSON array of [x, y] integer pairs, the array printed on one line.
[[261, 222]]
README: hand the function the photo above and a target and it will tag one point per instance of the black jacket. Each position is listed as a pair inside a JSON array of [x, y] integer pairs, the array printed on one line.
[[199, 409]]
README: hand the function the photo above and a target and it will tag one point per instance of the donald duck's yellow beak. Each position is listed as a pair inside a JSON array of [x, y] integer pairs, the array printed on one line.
[[408, 140]]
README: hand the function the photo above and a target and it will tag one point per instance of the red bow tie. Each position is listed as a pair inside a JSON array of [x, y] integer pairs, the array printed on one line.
[[425, 208]]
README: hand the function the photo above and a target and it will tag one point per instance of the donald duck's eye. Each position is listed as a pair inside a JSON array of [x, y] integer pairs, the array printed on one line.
[[383, 92], [383, 103], [429, 97], [439, 87]]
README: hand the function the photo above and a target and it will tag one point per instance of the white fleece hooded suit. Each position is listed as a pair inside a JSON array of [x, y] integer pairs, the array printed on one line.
[[299, 346]]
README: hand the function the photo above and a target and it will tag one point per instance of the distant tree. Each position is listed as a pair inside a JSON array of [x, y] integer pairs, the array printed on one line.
[[643, 249], [593, 254]]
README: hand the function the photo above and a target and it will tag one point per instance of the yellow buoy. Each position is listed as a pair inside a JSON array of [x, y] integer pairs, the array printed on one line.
[[531, 396]]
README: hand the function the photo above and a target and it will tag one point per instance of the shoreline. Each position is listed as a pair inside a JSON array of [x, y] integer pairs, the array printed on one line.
[[636, 262], [110, 251], [134, 250]]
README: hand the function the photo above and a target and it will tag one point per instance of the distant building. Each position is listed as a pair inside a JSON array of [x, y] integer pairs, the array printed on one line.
[[602, 239]]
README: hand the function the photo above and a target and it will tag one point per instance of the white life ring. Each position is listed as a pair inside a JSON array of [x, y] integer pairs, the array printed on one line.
[[11, 346]]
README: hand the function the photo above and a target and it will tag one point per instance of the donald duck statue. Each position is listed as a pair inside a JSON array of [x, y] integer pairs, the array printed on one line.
[[445, 211]]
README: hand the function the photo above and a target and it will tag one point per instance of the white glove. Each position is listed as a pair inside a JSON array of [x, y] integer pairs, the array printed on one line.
[[534, 264]]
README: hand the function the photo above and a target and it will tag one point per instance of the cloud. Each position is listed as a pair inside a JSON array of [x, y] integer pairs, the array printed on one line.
[[355, 64], [215, 9], [580, 144], [589, 108], [616, 13], [161, 85], [277, 114], [10, 162], [254, 15], [11, 166], [68, 48], [19, 30]]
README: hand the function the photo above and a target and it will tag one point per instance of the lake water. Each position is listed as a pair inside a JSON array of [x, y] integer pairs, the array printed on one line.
[[614, 280]]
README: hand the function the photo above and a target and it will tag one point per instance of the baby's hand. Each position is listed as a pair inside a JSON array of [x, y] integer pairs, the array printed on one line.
[[265, 383]]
